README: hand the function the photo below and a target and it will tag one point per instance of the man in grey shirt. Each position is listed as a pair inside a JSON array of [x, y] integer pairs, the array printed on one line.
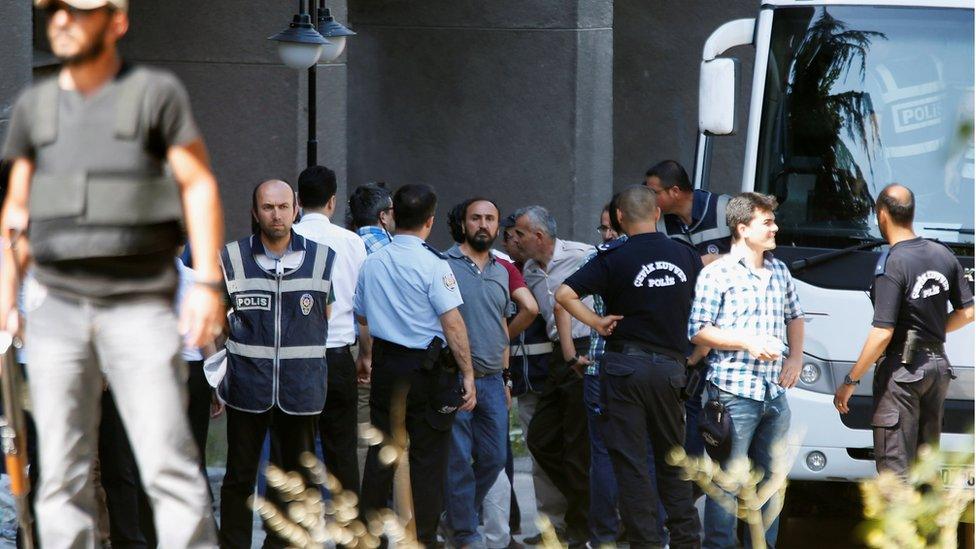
[[89, 148], [558, 436], [479, 437]]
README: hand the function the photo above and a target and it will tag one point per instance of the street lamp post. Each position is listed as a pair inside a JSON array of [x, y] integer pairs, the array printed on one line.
[[301, 46]]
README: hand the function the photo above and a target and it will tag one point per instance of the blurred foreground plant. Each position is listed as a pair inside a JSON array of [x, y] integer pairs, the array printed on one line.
[[741, 489], [310, 521], [924, 509]]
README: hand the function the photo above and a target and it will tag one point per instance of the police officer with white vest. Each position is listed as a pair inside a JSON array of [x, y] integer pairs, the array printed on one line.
[[279, 287], [408, 297], [915, 282], [91, 147]]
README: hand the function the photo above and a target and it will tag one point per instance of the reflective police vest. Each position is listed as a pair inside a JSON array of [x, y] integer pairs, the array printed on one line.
[[90, 214], [711, 234], [278, 329], [530, 355]]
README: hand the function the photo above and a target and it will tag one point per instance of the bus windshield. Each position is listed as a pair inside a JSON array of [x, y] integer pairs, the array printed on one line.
[[858, 97]]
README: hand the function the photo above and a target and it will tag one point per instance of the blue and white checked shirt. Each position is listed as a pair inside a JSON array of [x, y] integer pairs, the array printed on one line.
[[731, 296], [374, 237], [598, 343]]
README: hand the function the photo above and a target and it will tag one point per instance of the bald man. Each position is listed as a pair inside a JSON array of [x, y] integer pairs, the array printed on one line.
[[915, 281], [279, 290]]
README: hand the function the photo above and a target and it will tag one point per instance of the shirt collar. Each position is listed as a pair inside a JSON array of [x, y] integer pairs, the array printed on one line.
[[295, 243], [456, 253], [408, 240], [315, 216], [740, 258]]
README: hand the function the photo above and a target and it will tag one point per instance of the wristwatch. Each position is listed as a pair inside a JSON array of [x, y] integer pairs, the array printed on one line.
[[850, 381], [573, 361]]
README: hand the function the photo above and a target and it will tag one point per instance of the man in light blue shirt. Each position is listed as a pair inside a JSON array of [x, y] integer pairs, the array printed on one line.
[[409, 298]]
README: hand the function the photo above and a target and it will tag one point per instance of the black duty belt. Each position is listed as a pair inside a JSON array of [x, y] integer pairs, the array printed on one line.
[[396, 348], [639, 348], [338, 350]]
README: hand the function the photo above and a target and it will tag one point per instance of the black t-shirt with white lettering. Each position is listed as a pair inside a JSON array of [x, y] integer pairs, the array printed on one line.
[[650, 280], [913, 282]]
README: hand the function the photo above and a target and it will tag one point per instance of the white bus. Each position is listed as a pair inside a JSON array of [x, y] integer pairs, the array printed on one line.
[[848, 96]]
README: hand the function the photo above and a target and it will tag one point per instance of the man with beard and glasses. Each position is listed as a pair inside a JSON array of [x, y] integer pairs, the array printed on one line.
[[280, 291], [479, 437], [111, 160]]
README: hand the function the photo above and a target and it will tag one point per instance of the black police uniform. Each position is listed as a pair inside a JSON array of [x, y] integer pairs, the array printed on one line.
[[650, 280], [913, 282]]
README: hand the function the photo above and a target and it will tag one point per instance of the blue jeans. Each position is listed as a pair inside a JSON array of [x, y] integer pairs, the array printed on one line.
[[694, 445], [757, 426], [479, 447], [603, 521]]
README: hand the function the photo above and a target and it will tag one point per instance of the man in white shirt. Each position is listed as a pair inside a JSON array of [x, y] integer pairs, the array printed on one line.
[[338, 423]]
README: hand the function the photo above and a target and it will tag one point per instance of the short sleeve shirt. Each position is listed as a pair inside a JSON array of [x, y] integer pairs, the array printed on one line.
[[402, 291], [914, 282], [515, 278], [87, 143], [650, 280], [567, 256], [486, 306]]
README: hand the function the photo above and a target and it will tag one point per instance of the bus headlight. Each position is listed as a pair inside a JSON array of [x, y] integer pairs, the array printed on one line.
[[810, 373]]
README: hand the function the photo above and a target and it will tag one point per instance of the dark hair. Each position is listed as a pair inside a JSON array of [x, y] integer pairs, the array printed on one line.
[[671, 173], [902, 212], [413, 205], [316, 186], [455, 217], [6, 167], [742, 209], [611, 209], [365, 204]]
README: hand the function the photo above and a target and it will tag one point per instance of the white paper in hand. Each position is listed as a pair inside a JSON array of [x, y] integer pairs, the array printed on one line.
[[215, 367]]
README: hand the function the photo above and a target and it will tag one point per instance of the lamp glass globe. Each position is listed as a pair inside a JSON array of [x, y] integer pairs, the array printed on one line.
[[299, 56], [333, 49]]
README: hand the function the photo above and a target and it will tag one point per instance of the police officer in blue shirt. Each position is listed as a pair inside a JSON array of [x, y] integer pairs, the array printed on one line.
[[408, 297], [647, 284]]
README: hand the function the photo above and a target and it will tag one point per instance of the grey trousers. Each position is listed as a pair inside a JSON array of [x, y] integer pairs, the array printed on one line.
[[134, 343], [549, 500]]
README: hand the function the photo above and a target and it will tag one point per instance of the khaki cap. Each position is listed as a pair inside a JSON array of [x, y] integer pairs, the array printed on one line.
[[122, 5]]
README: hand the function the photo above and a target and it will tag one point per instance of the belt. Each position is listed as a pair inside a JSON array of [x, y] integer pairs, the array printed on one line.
[[479, 375], [639, 348], [340, 349], [396, 348], [934, 346], [532, 349]]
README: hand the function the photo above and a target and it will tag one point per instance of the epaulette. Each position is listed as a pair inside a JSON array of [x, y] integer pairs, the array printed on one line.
[[608, 247], [879, 267], [434, 251]]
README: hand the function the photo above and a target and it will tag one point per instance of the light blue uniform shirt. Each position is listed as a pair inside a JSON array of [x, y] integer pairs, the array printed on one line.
[[402, 291]]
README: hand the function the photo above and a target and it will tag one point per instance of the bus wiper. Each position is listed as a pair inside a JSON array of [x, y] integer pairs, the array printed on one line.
[[807, 262], [960, 230]]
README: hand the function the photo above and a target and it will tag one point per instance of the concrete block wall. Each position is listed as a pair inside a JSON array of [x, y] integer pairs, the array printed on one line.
[[510, 100]]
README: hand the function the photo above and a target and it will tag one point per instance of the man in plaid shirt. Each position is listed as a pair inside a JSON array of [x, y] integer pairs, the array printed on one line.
[[746, 310]]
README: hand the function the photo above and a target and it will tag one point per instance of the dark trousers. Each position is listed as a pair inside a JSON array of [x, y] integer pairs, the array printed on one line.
[[338, 424], [246, 432], [130, 515], [429, 434], [642, 399], [908, 407], [559, 439]]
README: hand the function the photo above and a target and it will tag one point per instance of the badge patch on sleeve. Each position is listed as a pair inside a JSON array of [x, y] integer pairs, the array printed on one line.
[[712, 249], [450, 282], [252, 302], [306, 304]]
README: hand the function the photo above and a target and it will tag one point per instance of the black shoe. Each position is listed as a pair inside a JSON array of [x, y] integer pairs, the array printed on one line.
[[534, 540]]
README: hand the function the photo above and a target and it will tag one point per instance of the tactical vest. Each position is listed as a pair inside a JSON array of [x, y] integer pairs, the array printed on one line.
[[913, 102], [529, 360], [278, 331], [711, 226], [87, 214]]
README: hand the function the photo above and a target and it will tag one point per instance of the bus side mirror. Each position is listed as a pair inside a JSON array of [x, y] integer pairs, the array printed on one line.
[[717, 92]]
